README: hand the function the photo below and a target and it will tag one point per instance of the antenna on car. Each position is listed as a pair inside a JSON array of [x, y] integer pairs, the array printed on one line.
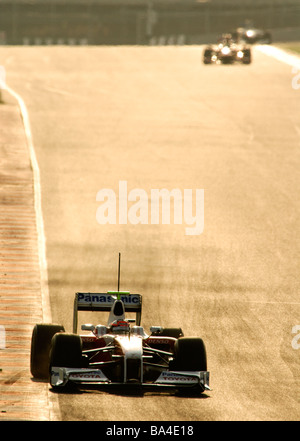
[[119, 272]]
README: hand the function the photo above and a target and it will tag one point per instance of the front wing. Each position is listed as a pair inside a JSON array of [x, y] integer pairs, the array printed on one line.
[[86, 378]]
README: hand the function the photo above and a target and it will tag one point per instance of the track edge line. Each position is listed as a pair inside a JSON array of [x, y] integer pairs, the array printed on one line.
[[53, 404]]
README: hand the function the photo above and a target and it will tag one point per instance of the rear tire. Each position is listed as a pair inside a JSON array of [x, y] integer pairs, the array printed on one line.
[[268, 39], [40, 349]]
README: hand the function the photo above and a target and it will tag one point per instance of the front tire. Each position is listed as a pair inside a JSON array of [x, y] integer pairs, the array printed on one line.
[[66, 351], [247, 56], [189, 355], [207, 56]]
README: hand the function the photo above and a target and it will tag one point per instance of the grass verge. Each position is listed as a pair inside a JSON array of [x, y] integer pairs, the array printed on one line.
[[292, 46]]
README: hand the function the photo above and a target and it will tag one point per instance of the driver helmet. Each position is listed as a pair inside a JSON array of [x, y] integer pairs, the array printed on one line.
[[120, 326]]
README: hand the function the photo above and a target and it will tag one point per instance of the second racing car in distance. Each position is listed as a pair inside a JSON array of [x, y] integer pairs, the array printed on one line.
[[251, 35], [227, 51], [118, 353]]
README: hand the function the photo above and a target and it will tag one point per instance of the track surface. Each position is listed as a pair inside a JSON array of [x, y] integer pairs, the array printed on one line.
[[159, 118]]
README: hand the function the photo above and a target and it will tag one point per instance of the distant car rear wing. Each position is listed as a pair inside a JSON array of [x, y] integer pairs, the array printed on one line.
[[87, 301]]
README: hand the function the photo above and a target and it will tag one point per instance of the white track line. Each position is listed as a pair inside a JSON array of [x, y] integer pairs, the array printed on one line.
[[53, 403], [280, 55], [38, 209]]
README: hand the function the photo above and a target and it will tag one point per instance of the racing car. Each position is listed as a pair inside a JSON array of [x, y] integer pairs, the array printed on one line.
[[227, 52], [118, 353], [251, 35]]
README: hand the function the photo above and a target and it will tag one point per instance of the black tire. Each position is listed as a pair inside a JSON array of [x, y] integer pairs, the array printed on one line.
[[247, 56], [66, 351], [40, 349], [207, 56], [170, 332], [189, 355], [268, 38]]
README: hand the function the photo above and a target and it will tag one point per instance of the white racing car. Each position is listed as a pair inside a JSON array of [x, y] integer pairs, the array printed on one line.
[[119, 353]]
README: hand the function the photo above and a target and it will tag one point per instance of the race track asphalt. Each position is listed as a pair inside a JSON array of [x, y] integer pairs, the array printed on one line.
[[156, 117]]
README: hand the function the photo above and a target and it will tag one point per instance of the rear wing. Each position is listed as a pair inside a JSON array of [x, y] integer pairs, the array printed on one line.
[[87, 301]]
